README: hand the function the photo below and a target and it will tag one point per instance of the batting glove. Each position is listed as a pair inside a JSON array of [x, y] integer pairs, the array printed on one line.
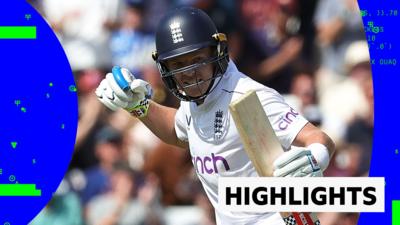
[[302, 162], [120, 89]]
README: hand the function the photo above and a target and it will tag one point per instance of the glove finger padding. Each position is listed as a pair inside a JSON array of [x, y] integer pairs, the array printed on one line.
[[289, 156], [121, 94], [141, 87], [107, 102], [141, 90], [305, 171], [292, 166], [120, 89], [102, 96], [110, 94], [296, 163], [100, 89], [128, 76]]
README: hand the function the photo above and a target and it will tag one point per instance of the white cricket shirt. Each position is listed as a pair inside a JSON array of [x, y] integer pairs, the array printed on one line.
[[215, 144]]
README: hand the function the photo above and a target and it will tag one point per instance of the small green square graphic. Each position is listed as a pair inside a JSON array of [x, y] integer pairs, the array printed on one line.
[[396, 212]]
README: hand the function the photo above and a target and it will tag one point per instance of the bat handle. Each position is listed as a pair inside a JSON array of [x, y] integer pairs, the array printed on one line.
[[119, 78], [300, 218]]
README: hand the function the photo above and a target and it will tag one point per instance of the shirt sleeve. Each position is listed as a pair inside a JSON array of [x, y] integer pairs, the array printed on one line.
[[180, 127], [285, 121]]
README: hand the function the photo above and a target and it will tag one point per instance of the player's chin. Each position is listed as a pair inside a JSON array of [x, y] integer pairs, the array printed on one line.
[[197, 91], [194, 94]]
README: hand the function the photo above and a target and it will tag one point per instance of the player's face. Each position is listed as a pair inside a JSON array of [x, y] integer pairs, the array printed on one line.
[[195, 81]]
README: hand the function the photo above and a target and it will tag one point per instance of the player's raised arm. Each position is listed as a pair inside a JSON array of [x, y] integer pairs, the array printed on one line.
[[161, 121], [120, 89]]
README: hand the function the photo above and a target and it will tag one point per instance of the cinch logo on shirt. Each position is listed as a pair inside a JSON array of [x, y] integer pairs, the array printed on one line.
[[209, 164], [286, 120]]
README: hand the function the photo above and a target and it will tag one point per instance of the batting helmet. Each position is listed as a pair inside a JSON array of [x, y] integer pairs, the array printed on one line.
[[186, 30]]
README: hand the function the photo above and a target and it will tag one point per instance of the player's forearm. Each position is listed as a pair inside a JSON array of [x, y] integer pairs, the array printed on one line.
[[316, 141], [311, 134], [322, 138], [161, 121]]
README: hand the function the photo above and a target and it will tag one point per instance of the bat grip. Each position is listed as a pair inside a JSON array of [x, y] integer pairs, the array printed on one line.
[[119, 78]]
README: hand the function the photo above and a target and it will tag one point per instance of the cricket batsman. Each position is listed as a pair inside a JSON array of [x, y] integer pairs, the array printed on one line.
[[193, 61]]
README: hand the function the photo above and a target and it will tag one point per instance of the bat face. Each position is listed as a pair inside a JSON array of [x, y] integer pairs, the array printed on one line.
[[262, 145], [256, 133]]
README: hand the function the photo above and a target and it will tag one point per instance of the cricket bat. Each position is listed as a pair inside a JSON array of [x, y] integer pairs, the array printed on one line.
[[262, 145]]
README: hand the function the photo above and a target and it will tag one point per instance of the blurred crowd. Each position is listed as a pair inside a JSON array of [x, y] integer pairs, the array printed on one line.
[[313, 52]]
